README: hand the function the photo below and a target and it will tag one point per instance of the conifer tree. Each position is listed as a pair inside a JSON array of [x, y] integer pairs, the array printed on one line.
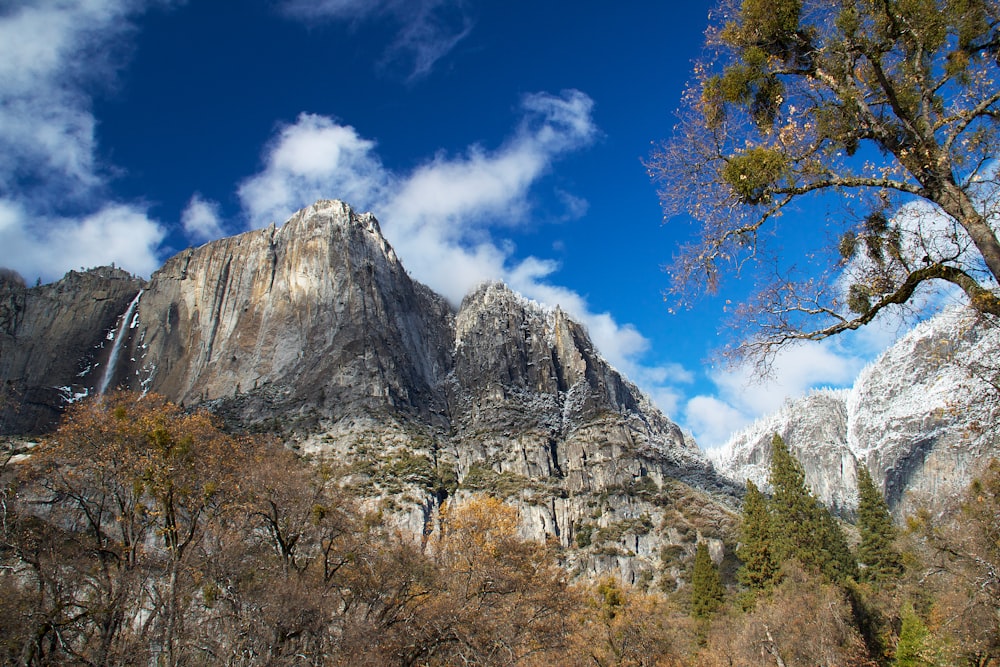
[[792, 507], [880, 561], [707, 592], [760, 569], [801, 527], [835, 558]]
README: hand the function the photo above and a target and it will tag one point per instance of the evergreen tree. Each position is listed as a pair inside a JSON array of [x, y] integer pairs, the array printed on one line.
[[794, 519], [880, 560], [801, 527], [707, 592], [835, 558], [760, 568]]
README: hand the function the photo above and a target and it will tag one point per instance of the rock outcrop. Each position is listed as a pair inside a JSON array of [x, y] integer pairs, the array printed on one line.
[[313, 320], [55, 342], [314, 331], [923, 418]]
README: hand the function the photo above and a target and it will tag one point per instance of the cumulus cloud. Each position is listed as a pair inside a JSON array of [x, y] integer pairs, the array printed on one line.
[[445, 206], [427, 30], [201, 220], [439, 216], [53, 56], [48, 247], [444, 215], [309, 160], [740, 397]]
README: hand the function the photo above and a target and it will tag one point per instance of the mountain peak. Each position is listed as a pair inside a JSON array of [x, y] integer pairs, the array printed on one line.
[[917, 417]]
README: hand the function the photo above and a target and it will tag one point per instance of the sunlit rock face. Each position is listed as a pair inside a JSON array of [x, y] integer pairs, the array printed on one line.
[[55, 342], [815, 429], [315, 332], [923, 418], [313, 320]]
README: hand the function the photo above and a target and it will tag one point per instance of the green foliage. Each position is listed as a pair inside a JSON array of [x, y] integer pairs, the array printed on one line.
[[504, 484], [707, 592], [792, 507], [801, 527], [914, 646], [835, 558], [760, 567], [583, 534], [769, 25], [787, 93], [753, 174], [880, 561], [614, 531]]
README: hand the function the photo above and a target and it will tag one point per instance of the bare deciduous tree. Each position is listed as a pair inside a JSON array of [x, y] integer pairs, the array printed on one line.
[[888, 107]]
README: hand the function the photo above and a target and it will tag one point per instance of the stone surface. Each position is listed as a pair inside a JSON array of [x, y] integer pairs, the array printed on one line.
[[55, 341], [923, 418], [315, 332]]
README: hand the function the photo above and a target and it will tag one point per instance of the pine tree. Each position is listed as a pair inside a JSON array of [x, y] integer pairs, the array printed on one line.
[[835, 558], [801, 527], [792, 507], [707, 592], [880, 561], [760, 568]]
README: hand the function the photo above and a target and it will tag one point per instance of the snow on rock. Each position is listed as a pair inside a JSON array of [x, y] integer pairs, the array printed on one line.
[[923, 418]]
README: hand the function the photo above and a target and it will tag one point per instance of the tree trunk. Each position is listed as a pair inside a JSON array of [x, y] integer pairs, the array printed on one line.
[[957, 203]]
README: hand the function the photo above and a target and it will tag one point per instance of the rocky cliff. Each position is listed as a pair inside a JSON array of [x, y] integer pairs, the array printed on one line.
[[314, 331], [54, 336], [923, 418]]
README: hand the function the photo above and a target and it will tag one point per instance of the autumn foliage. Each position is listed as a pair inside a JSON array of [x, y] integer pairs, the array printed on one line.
[[141, 533]]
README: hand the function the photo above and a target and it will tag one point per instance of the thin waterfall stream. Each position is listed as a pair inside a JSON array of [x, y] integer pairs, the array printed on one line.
[[109, 371]]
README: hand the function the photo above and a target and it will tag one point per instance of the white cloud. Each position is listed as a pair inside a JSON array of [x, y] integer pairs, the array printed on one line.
[[53, 56], [314, 158], [48, 247], [427, 29], [51, 53], [201, 220], [442, 216], [740, 398], [446, 207], [438, 216], [712, 420], [576, 207]]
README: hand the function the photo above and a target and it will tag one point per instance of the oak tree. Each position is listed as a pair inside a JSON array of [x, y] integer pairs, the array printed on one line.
[[884, 109]]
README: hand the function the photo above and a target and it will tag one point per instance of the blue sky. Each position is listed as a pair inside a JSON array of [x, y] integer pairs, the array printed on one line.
[[493, 141]]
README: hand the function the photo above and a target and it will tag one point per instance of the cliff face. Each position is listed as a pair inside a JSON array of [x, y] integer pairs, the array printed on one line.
[[923, 418], [316, 319], [55, 342], [314, 331]]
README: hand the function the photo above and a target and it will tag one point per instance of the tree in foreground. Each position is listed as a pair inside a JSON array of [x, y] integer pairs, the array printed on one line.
[[801, 527], [760, 568], [877, 554], [807, 621], [707, 592], [130, 486], [960, 568], [887, 109]]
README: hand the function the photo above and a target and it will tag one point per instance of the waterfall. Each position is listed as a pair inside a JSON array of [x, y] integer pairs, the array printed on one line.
[[109, 371]]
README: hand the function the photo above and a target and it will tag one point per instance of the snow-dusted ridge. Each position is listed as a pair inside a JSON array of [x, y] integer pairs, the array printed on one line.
[[917, 417]]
